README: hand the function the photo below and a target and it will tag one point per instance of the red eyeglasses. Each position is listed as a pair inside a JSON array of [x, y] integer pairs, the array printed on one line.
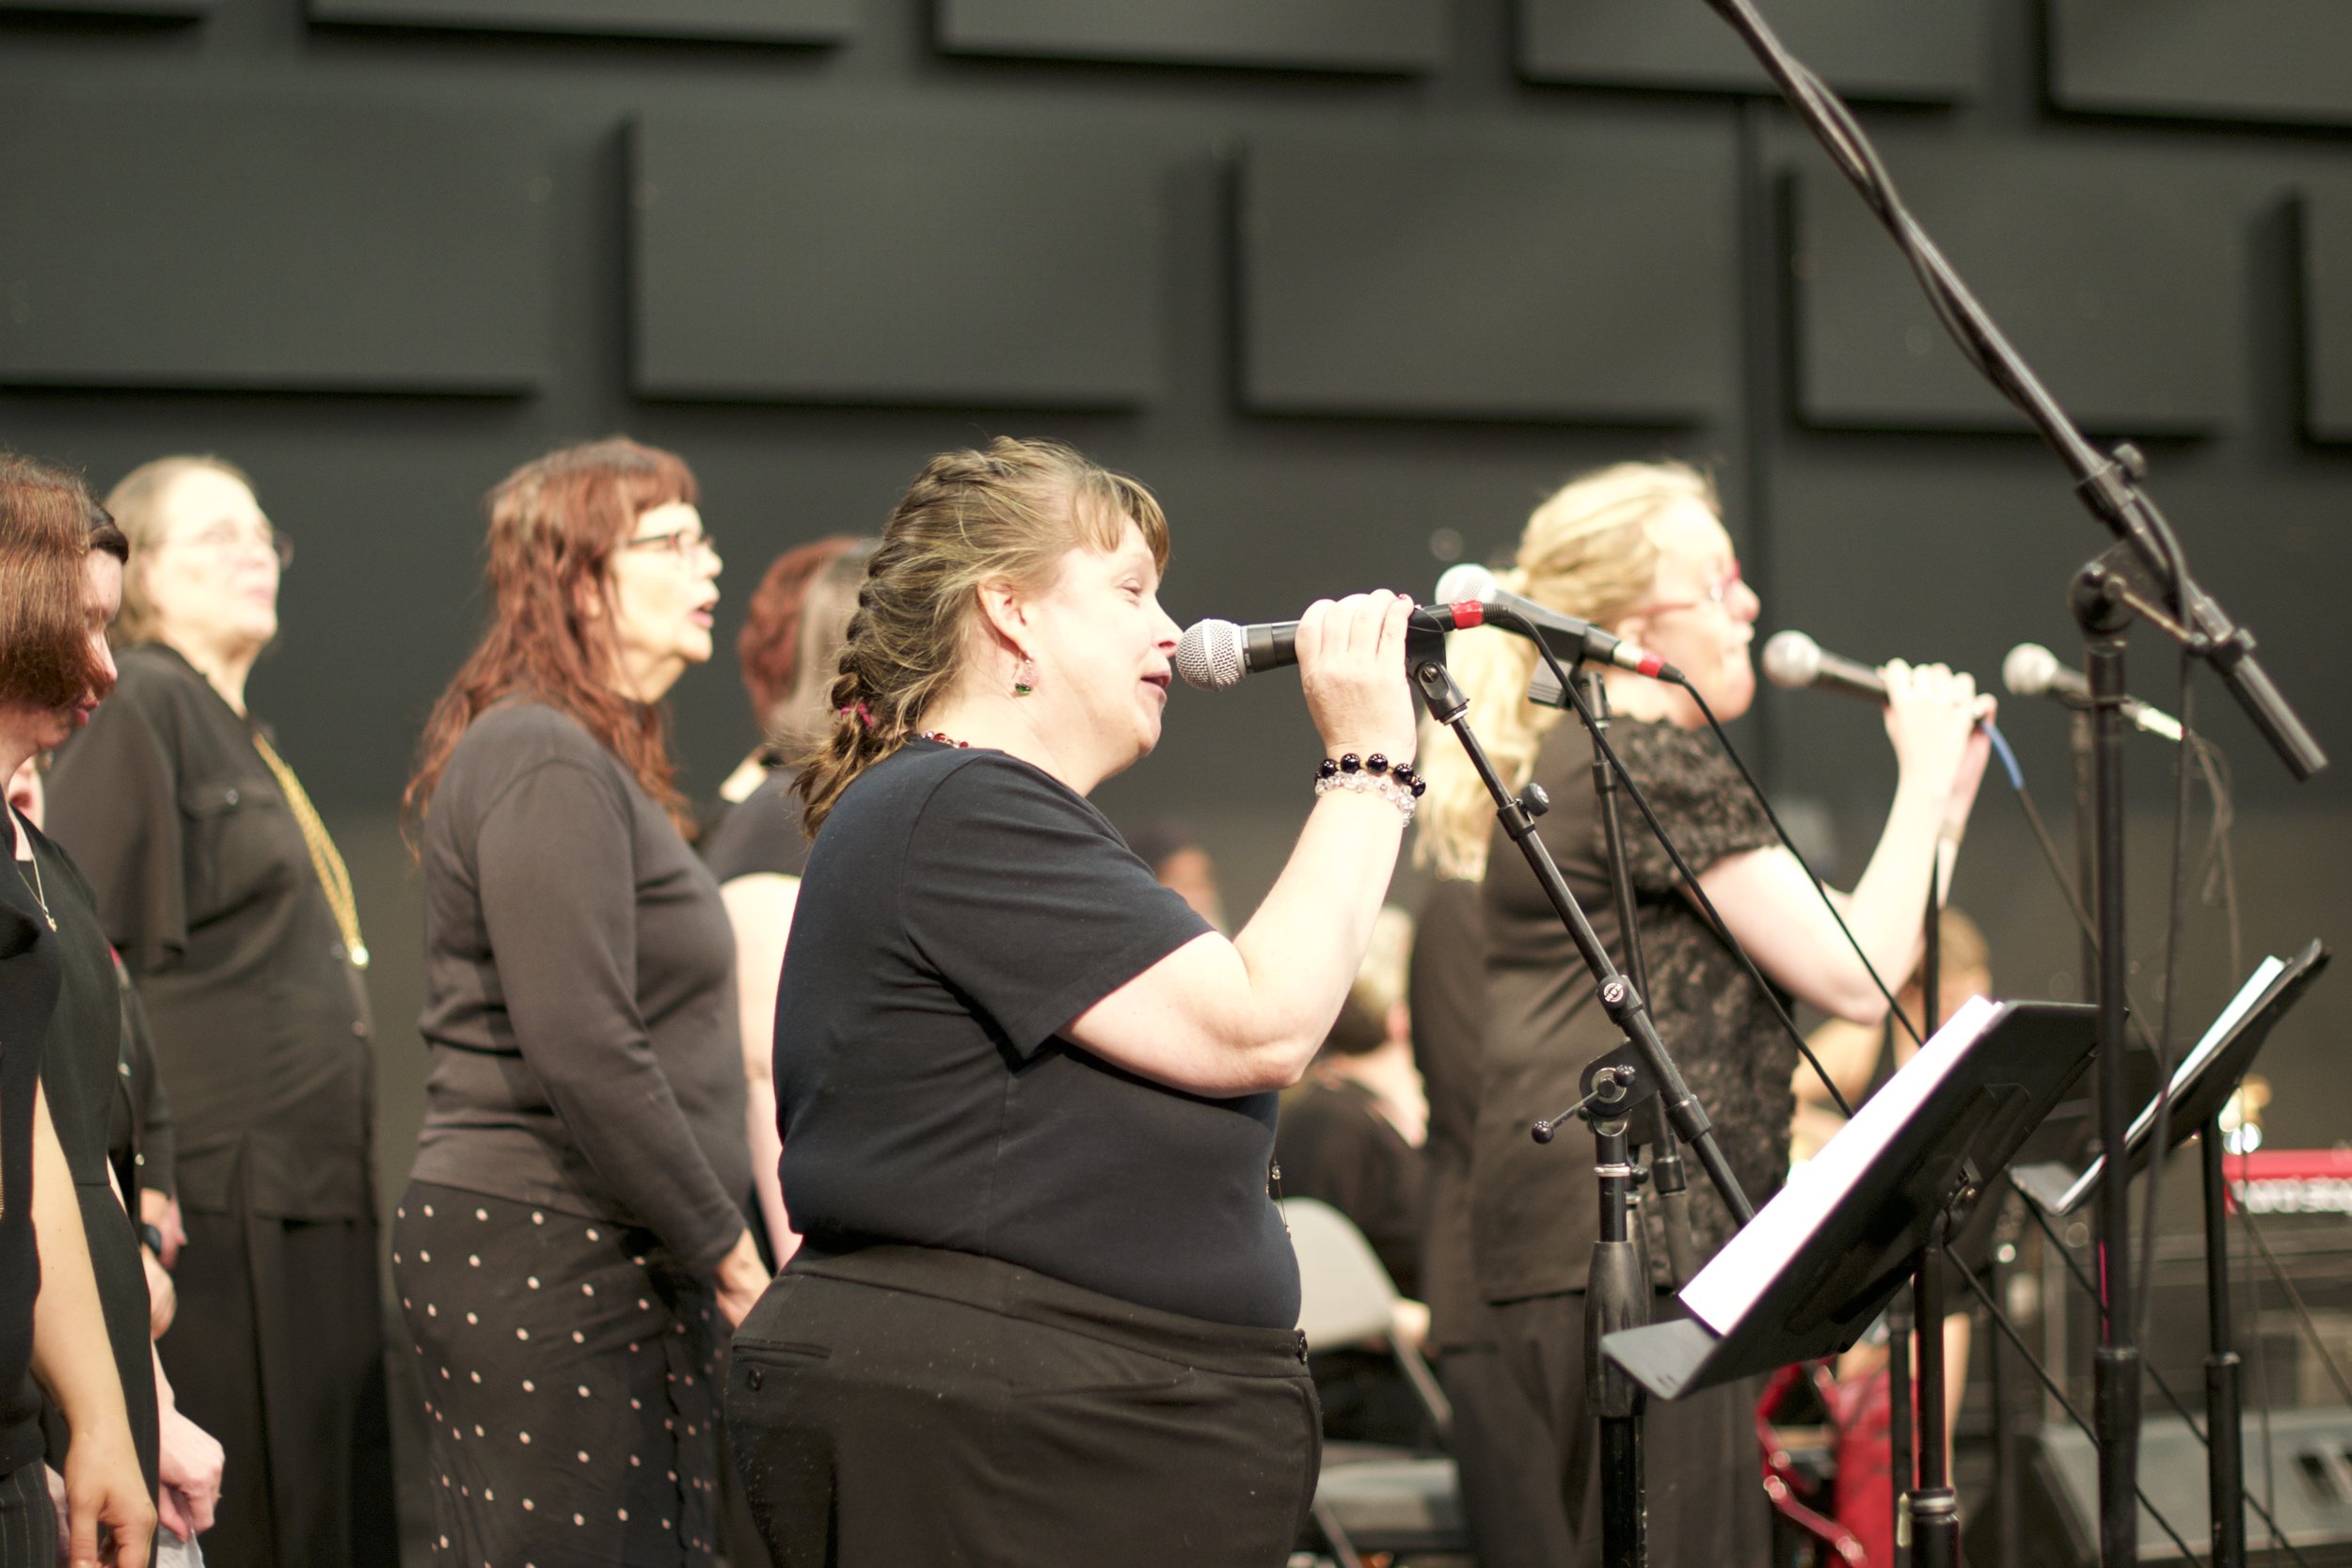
[[1718, 594]]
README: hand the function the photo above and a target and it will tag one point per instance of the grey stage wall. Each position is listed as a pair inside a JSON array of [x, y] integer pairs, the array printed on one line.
[[1352, 306]]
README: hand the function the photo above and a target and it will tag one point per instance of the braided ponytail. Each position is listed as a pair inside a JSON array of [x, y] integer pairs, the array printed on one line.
[[1011, 511]]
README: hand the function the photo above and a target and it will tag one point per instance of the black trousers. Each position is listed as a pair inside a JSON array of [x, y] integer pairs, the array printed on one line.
[[902, 1405], [28, 1523], [1508, 1462], [277, 1351], [1704, 1464]]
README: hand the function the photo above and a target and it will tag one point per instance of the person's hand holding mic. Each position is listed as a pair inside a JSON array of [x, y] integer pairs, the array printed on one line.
[[1351, 665], [1934, 718]]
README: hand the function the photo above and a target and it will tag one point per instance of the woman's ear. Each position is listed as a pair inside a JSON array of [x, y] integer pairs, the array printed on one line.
[[1004, 611]]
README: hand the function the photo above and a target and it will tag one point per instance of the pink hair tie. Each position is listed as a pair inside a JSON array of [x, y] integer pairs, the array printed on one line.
[[865, 716]]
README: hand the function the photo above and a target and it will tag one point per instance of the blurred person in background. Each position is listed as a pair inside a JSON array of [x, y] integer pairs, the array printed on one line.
[[1641, 550], [572, 1227], [219, 886], [1181, 863], [1350, 1135], [72, 1298], [1351, 1131], [791, 636]]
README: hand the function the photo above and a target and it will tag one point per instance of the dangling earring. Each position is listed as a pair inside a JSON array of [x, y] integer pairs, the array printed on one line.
[[1024, 677]]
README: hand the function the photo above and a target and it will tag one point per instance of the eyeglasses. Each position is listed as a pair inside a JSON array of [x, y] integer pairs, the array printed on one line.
[[226, 539], [681, 542], [1717, 594]]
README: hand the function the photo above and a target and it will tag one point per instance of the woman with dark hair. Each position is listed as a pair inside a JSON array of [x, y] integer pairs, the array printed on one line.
[[72, 1299], [222, 889], [1046, 1308], [791, 636], [577, 1191]]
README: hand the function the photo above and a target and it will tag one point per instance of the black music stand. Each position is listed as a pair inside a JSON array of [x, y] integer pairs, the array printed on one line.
[[1819, 1262], [1805, 1277], [2202, 1086]]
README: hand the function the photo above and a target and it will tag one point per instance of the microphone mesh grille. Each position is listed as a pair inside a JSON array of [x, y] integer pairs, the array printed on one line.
[[1791, 658], [1210, 654], [2028, 670]]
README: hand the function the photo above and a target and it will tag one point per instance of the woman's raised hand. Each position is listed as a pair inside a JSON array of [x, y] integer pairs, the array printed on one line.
[[1932, 716], [1351, 664]]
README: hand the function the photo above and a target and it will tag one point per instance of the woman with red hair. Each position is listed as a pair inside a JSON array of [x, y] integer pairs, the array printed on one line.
[[574, 1217], [792, 635]]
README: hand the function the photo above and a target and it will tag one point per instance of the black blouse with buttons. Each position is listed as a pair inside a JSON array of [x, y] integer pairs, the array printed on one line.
[[260, 1021]]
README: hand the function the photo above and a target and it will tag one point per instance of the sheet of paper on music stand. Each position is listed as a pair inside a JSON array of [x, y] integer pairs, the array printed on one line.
[[2186, 1074], [1728, 1286]]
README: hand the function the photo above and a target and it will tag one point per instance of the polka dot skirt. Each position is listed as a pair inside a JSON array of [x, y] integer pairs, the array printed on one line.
[[567, 1378]]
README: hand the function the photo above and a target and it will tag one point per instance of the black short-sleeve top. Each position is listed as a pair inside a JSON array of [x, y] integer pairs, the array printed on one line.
[[207, 889], [1534, 1211], [960, 908], [759, 835]]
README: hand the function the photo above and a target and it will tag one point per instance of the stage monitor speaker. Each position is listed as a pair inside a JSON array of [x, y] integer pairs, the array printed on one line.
[[2310, 1483]]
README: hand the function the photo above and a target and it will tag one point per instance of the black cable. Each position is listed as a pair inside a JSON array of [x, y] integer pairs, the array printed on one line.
[[1893, 1007], [1682, 867], [2159, 1147], [2009, 1330]]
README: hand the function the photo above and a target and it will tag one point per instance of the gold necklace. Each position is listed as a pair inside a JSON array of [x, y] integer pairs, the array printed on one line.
[[39, 892]]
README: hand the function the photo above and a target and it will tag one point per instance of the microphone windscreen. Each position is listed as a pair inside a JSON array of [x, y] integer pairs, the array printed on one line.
[[1791, 658], [1465, 580], [1210, 654], [2028, 670]]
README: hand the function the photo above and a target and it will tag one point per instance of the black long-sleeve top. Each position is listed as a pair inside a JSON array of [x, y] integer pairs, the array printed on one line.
[[579, 993], [207, 890]]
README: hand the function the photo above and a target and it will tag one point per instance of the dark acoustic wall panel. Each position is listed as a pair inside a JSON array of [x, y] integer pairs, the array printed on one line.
[[1574, 278], [1401, 36], [2267, 61], [2122, 292], [161, 8], [756, 20], [808, 260], [2327, 267], [230, 244], [1924, 51]]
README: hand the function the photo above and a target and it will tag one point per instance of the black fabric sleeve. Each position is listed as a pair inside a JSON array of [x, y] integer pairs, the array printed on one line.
[[1024, 897], [154, 1137], [114, 804], [1699, 798], [556, 874], [761, 836]]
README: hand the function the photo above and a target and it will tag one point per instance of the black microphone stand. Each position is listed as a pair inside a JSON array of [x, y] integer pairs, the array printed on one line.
[[2108, 484], [1615, 1289], [1669, 1180]]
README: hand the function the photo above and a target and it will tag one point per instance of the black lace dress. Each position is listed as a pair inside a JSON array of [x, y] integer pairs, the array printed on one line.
[[1535, 1208]]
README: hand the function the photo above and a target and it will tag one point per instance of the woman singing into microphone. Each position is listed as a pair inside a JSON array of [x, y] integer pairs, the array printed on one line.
[[1640, 549], [1044, 1310]]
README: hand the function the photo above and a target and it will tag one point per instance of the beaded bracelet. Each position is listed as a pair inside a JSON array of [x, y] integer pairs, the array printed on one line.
[[1394, 783]]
